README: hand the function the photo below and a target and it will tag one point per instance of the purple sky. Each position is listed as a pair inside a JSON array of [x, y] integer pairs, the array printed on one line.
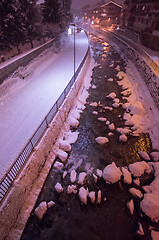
[[81, 3]]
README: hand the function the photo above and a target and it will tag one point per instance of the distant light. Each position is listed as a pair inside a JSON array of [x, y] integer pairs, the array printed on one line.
[[82, 30], [69, 31], [108, 18], [92, 22]]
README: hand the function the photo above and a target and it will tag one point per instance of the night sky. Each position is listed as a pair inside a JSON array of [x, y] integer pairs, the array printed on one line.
[[77, 4]]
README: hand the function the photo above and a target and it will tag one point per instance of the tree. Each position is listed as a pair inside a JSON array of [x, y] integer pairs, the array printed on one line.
[[28, 9], [51, 11], [12, 22]]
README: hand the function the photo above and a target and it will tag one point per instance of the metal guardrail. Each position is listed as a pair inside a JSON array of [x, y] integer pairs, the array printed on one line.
[[15, 168], [151, 63]]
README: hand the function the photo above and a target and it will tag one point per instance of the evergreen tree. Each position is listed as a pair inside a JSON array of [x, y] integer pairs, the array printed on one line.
[[66, 5], [12, 22], [51, 11], [28, 10]]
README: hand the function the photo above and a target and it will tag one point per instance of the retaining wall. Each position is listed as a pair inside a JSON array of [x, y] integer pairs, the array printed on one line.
[[22, 61]]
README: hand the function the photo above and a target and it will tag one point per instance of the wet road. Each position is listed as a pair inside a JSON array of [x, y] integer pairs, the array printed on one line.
[[110, 220]]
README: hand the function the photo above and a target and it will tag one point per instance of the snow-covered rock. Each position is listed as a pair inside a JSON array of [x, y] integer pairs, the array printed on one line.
[[110, 134], [95, 178], [50, 204], [116, 105], [123, 138], [64, 174], [110, 80], [83, 193], [59, 187], [72, 189], [62, 155], [41, 210], [93, 86], [155, 156], [125, 130], [154, 235], [95, 112], [130, 206], [140, 231], [126, 176], [73, 176], [92, 196], [111, 126], [144, 155], [101, 119], [102, 140], [112, 173], [81, 178], [138, 168], [107, 122], [111, 95], [58, 165], [136, 193], [108, 108], [93, 104], [99, 196], [99, 173], [136, 181]]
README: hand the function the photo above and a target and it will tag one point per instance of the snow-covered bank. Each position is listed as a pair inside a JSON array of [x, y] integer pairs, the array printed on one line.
[[22, 197]]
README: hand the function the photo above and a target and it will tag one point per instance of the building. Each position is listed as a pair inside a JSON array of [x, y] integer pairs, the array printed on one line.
[[143, 17], [107, 14]]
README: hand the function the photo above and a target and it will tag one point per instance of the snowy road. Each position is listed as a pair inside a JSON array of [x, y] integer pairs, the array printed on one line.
[[26, 104]]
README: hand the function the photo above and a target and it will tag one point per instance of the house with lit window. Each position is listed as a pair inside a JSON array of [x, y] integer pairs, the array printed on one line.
[[107, 14]]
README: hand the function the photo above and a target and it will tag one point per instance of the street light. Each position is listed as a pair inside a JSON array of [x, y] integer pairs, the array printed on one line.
[[73, 24]]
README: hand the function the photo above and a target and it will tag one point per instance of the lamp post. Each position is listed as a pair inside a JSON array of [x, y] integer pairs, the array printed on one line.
[[73, 24]]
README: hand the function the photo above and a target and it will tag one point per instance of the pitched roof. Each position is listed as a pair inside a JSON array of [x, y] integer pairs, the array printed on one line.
[[112, 3]]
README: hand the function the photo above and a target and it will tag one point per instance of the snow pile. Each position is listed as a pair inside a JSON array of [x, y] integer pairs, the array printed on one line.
[[112, 173], [61, 154], [95, 113], [73, 176], [58, 188], [136, 181], [64, 145], [95, 178], [125, 130], [81, 178], [83, 193], [73, 122], [50, 204], [41, 210], [121, 75], [150, 202], [138, 168], [130, 206], [102, 140], [126, 176], [71, 137], [72, 189]]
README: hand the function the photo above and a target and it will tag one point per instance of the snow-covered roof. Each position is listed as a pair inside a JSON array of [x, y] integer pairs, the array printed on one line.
[[112, 3]]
